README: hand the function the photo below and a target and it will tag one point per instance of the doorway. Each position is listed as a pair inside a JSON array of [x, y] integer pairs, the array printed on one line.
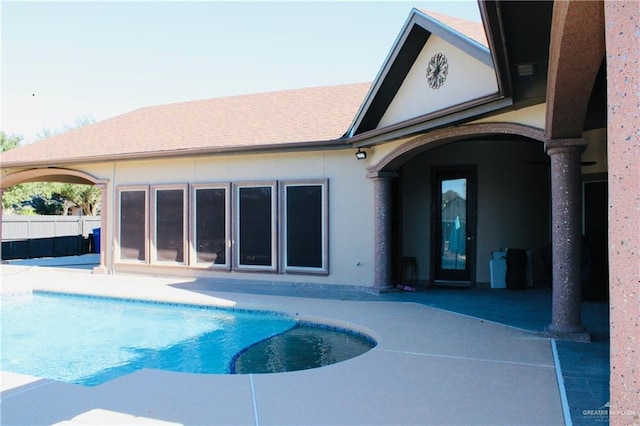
[[453, 225], [595, 254]]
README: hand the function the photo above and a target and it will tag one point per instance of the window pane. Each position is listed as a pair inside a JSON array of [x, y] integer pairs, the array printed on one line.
[[210, 239], [453, 238], [304, 226], [169, 225], [132, 225], [255, 219]]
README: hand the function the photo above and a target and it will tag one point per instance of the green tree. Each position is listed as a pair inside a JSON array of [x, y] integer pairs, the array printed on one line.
[[85, 120], [87, 197], [48, 206], [31, 198], [8, 142]]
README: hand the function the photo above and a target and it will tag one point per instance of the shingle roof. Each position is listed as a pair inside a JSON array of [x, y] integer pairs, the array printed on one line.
[[320, 114], [256, 121], [473, 30]]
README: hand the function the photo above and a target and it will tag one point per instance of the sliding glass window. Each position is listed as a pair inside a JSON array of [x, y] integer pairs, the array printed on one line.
[[168, 205], [210, 229], [255, 236], [305, 226], [131, 244]]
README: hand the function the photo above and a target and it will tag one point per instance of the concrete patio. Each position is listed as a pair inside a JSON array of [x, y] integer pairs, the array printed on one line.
[[443, 357]]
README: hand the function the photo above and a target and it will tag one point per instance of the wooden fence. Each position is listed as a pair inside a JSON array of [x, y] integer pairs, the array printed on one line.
[[25, 237]]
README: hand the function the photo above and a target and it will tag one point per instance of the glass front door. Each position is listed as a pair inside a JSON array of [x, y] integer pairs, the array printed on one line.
[[454, 220]]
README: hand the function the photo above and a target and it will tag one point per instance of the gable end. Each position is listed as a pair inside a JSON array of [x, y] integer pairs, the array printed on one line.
[[467, 37]]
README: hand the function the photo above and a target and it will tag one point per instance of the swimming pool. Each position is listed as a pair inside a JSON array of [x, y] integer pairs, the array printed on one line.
[[89, 341]]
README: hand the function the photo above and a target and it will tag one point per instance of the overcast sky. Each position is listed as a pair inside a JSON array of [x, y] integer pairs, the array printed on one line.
[[66, 60]]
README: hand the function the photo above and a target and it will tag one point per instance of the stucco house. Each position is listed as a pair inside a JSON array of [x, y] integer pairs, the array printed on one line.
[[515, 118]]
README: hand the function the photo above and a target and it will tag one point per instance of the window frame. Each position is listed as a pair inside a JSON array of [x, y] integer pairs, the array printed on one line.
[[193, 252], [118, 238], [236, 232], [152, 222], [308, 270]]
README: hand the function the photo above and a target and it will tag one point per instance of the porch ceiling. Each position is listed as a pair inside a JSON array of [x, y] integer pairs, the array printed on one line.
[[522, 35]]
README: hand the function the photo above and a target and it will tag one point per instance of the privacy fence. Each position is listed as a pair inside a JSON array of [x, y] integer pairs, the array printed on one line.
[[26, 237]]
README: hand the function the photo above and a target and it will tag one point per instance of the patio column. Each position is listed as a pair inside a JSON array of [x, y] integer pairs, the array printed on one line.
[[566, 238], [102, 268], [623, 150], [382, 228]]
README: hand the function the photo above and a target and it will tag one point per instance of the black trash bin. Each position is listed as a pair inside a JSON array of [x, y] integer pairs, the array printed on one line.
[[516, 277]]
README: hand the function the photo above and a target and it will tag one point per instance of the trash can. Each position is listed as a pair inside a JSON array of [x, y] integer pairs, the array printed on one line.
[[96, 240], [498, 269], [516, 277]]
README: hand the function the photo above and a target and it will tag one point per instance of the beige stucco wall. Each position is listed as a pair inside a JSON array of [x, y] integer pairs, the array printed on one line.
[[378, 152], [467, 79], [351, 239], [533, 116]]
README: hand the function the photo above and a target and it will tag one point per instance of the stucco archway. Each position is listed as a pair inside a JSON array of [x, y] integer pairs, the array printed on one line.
[[64, 176], [399, 156], [49, 175], [477, 137], [576, 52]]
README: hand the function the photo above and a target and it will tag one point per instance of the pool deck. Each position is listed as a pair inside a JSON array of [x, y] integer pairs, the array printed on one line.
[[434, 363]]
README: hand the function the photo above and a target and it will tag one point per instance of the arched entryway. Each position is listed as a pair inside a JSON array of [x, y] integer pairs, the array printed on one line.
[[495, 177], [515, 170], [65, 176]]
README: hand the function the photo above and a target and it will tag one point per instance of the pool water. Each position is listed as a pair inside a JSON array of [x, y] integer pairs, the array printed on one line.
[[90, 341], [301, 348]]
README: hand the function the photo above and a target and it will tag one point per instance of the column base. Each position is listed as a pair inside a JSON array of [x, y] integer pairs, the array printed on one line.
[[99, 270], [575, 335], [381, 290]]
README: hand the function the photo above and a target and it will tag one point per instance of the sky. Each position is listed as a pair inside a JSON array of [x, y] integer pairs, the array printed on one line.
[[63, 61]]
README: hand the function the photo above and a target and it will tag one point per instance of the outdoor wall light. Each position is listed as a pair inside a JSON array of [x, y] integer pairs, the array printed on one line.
[[361, 155]]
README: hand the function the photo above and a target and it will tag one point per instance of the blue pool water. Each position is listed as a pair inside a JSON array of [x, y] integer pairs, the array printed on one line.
[[90, 341]]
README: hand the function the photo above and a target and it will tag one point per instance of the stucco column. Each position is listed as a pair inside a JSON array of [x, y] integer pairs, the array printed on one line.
[[566, 196], [623, 150], [102, 268], [382, 228]]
